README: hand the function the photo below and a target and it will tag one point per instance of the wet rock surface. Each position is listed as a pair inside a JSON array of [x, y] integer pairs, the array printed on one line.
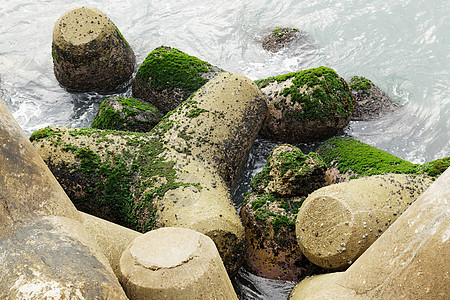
[[282, 38], [371, 101]]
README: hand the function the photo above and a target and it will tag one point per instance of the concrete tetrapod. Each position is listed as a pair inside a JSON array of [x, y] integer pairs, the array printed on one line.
[[174, 263], [411, 260], [45, 252], [89, 52], [177, 175], [337, 223]]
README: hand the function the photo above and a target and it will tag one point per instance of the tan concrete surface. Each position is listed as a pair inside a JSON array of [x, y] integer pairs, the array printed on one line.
[[411, 260], [174, 263]]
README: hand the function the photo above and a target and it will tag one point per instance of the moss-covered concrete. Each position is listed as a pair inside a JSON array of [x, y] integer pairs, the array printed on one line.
[[126, 114], [309, 105], [289, 172], [169, 76], [350, 158], [179, 174], [269, 212], [89, 52]]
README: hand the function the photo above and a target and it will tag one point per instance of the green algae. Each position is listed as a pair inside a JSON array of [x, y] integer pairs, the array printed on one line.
[[125, 119], [125, 43], [360, 83], [436, 167], [294, 161], [364, 160], [167, 68], [280, 32], [282, 221], [124, 183], [42, 133], [320, 92]]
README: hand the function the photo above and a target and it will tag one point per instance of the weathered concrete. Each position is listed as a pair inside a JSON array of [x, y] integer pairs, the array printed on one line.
[[53, 258], [45, 252], [337, 223], [178, 175], [112, 239], [174, 263], [269, 212], [411, 260], [89, 52], [27, 187]]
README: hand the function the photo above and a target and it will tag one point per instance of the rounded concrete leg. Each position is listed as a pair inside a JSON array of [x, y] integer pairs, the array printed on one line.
[[174, 263], [337, 223], [89, 52]]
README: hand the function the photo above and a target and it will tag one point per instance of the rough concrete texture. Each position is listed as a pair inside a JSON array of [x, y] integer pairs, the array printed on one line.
[[54, 258], [272, 250], [337, 223], [45, 252], [181, 172], [27, 187], [89, 53], [174, 263], [112, 239], [410, 261]]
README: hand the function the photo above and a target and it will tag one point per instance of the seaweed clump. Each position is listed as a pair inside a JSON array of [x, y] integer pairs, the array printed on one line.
[[126, 114], [169, 76]]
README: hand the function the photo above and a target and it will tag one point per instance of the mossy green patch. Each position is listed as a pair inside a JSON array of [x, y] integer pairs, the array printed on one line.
[[280, 32], [125, 118], [320, 92], [125, 43], [361, 84], [126, 182], [166, 68], [42, 133], [282, 221], [436, 167], [364, 160]]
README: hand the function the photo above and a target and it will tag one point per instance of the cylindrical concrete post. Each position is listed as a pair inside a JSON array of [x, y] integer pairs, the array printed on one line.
[[410, 261], [174, 263], [45, 252], [89, 52], [337, 223]]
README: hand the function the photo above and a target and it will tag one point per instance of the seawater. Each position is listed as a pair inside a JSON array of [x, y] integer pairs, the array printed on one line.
[[402, 46]]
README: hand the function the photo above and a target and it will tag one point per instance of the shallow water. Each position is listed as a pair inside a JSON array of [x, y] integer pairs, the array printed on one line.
[[402, 46]]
